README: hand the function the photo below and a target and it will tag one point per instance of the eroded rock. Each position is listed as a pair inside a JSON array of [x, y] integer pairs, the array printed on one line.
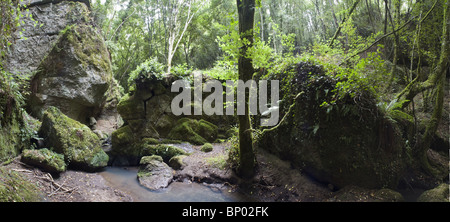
[[154, 173]]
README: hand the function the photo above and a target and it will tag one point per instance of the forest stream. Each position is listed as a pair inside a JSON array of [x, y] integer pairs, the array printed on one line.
[[125, 179]]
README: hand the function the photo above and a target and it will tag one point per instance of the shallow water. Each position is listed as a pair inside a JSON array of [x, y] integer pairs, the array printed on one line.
[[125, 179]]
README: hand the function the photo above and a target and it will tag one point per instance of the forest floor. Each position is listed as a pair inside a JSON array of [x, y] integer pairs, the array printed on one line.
[[275, 181]]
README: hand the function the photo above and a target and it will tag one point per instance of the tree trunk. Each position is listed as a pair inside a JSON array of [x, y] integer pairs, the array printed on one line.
[[424, 145], [343, 21], [246, 10]]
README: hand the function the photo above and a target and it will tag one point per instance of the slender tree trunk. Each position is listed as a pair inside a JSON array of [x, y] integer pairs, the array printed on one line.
[[395, 24], [246, 10], [336, 24], [343, 21]]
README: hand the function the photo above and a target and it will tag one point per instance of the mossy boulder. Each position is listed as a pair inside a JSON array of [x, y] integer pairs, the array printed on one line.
[[207, 147], [348, 142], [16, 188], [163, 150], [197, 132], [74, 76], [79, 145], [44, 159], [154, 173], [438, 194], [176, 162]]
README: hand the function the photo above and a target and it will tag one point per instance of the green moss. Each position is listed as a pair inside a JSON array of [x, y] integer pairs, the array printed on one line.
[[165, 151], [79, 145], [131, 108], [15, 188], [151, 141], [438, 194], [45, 159], [147, 159], [207, 147], [219, 161], [193, 131], [176, 162]]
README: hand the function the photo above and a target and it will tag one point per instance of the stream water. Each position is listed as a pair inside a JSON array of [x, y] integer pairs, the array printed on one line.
[[125, 179]]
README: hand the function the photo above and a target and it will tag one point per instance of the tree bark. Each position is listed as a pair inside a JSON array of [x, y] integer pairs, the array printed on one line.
[[246, 10]]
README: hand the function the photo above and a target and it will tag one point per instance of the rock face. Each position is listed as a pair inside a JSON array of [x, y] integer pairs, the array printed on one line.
[[66, 60], [27, 53], [74, 76], [147, 113], [79, 145], [154, 173], [348, 143]]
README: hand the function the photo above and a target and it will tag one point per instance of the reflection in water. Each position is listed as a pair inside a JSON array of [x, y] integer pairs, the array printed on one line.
[[125, 179]]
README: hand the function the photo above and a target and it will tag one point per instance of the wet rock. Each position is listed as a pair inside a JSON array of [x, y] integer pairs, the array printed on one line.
[[154, 173], [79, 145]]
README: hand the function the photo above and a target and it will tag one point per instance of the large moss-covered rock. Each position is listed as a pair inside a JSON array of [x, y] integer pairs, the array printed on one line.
[[74, 76], [44, 159], [79, 145], [347, 143]]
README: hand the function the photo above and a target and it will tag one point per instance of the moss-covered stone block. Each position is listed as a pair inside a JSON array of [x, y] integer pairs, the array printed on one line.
[[163, 150], [79, 145], [194, 131], [44, 159]]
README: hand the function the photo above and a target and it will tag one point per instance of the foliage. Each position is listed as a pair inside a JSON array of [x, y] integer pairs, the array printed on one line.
[[150, 67]]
